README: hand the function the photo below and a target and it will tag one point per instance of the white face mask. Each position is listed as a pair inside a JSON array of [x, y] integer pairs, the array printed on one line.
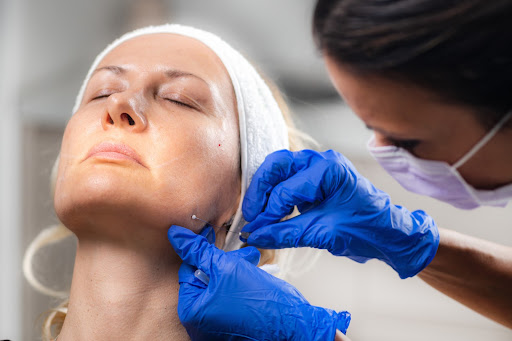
[[437, 179]]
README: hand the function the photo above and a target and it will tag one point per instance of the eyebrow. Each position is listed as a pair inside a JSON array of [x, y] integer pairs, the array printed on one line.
[[112, 68], [384, 132], [170, 73]]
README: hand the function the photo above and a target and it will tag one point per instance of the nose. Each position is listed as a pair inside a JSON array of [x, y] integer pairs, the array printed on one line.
[[380, 140], [125, 110]]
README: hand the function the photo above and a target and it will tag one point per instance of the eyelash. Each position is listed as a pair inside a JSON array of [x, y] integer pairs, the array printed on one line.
[[180, 103], [168, 99], [405, 144], [100, 96]]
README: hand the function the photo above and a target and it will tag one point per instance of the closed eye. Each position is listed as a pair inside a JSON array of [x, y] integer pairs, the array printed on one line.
[[179, 103], [101, 96], [404, 144], [105, 93]]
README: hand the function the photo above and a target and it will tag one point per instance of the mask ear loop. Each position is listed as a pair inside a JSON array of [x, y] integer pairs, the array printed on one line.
[[483, 141]]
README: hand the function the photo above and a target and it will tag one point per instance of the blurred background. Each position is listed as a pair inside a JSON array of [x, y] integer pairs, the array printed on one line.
[[46, 49]]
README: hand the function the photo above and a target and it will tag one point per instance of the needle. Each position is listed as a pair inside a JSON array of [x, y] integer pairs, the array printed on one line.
[[194, 217], [228, 224]]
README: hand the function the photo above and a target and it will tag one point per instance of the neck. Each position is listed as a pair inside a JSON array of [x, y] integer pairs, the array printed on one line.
[[124, 292]]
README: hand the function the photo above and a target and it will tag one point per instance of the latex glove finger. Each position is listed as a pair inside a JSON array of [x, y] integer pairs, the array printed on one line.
[[343, 322], [190, 297], [305, 189], [186, 274], [288, 234], [209, 233], [193, 249], [276, 167], [250, 254], [299, 231]]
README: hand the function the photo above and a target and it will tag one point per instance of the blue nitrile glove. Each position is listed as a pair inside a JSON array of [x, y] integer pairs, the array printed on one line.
[[341, 212], [241, 301]]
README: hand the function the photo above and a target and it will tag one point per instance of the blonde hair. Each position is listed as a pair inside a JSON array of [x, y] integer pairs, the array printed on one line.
[[55, 317]]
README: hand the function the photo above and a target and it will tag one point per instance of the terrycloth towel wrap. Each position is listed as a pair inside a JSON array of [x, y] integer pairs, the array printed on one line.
[[262, 127]]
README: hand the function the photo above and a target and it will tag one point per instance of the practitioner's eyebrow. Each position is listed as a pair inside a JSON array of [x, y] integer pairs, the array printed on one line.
[[170, 73], [384, 132]]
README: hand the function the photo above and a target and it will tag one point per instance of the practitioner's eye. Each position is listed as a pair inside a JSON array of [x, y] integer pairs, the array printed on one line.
[[408, 145]]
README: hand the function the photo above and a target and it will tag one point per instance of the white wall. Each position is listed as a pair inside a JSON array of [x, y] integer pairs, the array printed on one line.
[[10, 229]]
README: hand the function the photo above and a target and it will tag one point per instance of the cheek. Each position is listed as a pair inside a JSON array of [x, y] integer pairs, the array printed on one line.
[[77, 134], [68, 154], [80, 131], [199, 169], [72, 181]]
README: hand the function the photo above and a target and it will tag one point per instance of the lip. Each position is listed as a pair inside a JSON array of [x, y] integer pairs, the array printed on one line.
[[114, 151]]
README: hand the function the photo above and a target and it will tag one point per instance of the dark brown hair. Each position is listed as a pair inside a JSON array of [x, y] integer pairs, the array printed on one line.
[[460, 49]]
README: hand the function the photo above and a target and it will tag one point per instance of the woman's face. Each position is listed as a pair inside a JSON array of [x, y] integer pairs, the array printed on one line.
[[419, 121], [154, 141]]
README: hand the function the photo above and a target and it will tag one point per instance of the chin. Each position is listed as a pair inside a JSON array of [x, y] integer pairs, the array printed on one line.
[[101, 199]]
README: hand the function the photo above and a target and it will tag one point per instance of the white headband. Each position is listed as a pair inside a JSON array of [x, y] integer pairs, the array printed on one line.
[[262, 127]]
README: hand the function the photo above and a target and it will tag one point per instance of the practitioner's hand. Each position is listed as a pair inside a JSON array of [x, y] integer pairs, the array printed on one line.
[[241, 301], [341, 211]]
